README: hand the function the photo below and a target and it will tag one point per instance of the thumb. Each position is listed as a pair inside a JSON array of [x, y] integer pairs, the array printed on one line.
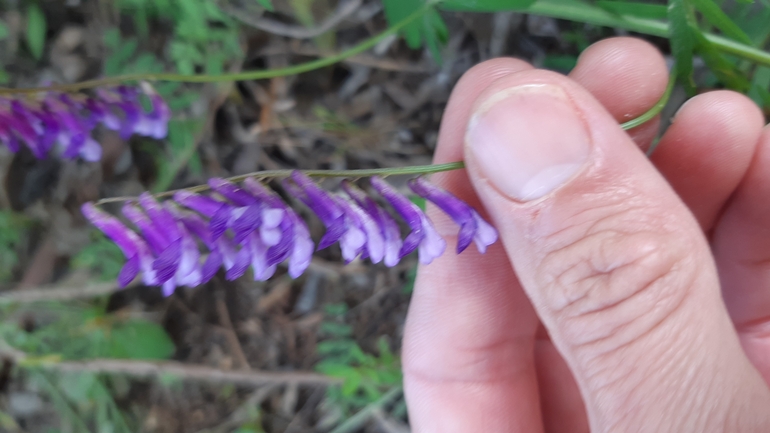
[[613, 262]]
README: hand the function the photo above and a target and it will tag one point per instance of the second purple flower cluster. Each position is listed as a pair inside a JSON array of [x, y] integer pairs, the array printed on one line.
[[62, 123], [250, 226]]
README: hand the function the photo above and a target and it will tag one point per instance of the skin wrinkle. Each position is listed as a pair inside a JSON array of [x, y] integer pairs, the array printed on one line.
[[666, 364], [566, 256]]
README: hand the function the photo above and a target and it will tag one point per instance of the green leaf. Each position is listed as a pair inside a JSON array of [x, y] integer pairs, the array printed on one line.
[[336, 329], [714, 15], [116, 63], [486, 5], [267, 4], [351, 383], [3, 30], [112, 38], [78, 387], [753, 21], [139, 339], [635, 9], [725, 70], [36, 30], [101, 256], [760, 87], [561, 63], [682, 41], [397, 10]]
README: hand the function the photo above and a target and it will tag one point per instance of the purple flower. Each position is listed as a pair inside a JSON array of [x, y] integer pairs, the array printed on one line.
[[184, 242], [324, 206], [296, 245], [423, 236], [389, 234], [472, 226], [62, 124], [177, 258], [137, 252]]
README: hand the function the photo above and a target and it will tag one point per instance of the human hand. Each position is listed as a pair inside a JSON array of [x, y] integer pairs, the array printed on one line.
[[601, 308]]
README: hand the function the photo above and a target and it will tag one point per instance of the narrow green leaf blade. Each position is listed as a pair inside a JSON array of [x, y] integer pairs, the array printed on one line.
[[760, 87], [725, 70], [682, 42], [635, 9], [486, 5], [714, 15], [139, 339], [3, 30], [267, 4], [36, 30], [397, 10]]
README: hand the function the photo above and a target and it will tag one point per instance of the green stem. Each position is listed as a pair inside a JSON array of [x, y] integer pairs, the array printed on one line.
[[585, 13], [390, 171], [657, 108], [240, 76], [272, 174]]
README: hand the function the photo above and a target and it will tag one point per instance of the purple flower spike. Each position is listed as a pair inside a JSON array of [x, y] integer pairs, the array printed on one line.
[[136, 251], [62, 124], [323, 204], [424, 236], [472, 226], [391, 235]]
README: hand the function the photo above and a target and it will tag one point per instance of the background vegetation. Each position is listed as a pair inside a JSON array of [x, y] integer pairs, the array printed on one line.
[[319, 353]]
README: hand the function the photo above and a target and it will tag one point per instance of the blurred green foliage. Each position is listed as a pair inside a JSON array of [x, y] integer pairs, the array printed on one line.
[[84, 401], [36, 30], [101, 257], [204, 38], [12, 232], [366, 377], [77, 332]]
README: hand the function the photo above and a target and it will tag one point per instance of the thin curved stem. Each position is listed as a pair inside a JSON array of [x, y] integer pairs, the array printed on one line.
[[390, 171], [352, 174], [657, 108], [240, 76]]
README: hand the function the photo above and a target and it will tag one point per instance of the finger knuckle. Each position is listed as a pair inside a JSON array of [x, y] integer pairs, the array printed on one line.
[[616, 272]]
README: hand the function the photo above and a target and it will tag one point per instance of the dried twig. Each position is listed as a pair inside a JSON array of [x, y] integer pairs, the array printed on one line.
[[57, 293], [232, 337], [147, 369], [343, 10]]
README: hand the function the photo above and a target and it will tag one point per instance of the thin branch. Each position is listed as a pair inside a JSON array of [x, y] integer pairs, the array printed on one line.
[[344, 9], [200, 373], [57, 293]]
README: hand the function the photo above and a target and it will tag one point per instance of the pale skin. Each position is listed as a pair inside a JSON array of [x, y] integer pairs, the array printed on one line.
[[635, 297]]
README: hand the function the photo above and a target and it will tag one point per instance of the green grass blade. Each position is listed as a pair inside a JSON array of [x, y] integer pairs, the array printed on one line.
[[682, 38], [636, 9], [725, 70], [486, 5], [714, 15]]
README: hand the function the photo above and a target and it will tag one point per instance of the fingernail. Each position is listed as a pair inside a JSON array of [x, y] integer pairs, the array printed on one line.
[[528, 140]]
